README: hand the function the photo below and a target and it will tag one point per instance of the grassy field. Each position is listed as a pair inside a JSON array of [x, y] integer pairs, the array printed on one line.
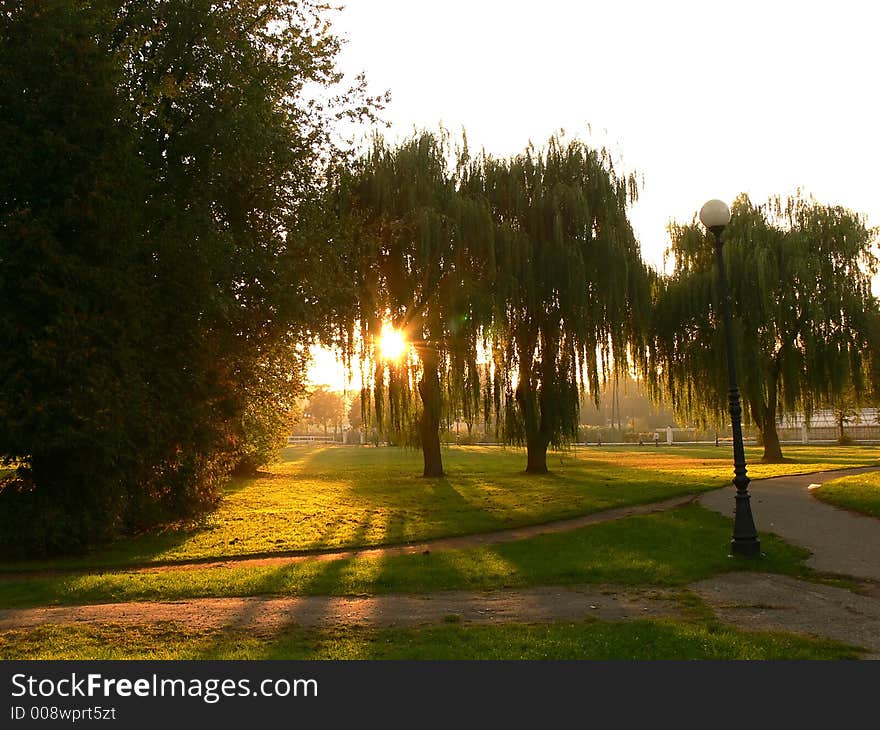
[[328, 497], [665, 549], [323, 497], [860, 493], [586, 640]]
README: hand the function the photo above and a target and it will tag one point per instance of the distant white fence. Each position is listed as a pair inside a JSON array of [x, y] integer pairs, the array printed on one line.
[[855, 432], [311, 439]]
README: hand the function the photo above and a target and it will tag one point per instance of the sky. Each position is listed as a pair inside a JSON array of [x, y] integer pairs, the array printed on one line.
[[701, 99]]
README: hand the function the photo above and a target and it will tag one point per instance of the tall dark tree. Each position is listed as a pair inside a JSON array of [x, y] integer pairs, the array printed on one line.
[[800, 287], [159, 202], [570, 288], [71, 246]]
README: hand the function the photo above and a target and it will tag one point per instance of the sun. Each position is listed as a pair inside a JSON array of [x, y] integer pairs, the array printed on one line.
[[392, 343]]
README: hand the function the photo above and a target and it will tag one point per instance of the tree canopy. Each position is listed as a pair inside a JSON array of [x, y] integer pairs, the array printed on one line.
[[325, 408], [804, 315], [159, 189], [420, 255], [519, 282], [570, 290]]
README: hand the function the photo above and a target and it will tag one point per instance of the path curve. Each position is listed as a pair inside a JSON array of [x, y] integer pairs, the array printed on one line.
[[717, 502], [439, 543], [841, 541]]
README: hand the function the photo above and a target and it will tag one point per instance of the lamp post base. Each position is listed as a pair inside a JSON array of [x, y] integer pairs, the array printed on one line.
[[745, 540], [745, 548]]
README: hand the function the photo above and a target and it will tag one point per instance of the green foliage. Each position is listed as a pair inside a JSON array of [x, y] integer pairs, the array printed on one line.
[[159, 186], [804, 316], [570, 290], [325, 408], [420, 252], [263, 432]]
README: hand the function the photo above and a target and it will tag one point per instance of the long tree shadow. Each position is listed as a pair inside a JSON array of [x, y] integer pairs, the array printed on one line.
[[374, 496]]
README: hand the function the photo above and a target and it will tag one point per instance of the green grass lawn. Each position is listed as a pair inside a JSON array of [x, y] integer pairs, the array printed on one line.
[[337, 496], [860, 493], [327, 497], [670, 548], [586, 640]]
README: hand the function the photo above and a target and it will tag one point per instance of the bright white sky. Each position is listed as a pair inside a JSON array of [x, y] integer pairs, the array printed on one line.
[[703, 99]]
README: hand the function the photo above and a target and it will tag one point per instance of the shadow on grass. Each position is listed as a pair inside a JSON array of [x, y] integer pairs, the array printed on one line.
[[664, 549], [579, 640], [355, 496]]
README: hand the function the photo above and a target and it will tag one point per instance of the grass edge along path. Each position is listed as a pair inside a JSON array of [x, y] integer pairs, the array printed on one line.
[[331, 498], [671, 548], [859, 493], [409, 548], [608, 491]]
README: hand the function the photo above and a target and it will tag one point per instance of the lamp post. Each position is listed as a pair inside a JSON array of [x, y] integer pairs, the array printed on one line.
[[715, 215]]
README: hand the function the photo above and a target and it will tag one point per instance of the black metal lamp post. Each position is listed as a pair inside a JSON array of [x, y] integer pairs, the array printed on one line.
[[715, 215]]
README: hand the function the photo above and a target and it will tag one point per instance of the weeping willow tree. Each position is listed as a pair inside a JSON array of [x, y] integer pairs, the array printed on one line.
[[570, 291], [423, 258], [804, 315]]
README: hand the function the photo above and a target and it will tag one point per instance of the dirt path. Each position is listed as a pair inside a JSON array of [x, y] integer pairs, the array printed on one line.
[[440, 543], [264, 614], [744, 600]]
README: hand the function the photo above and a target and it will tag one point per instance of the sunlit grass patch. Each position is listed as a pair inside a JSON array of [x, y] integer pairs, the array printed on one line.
[[860, 493], [324, 497], [665, 549]]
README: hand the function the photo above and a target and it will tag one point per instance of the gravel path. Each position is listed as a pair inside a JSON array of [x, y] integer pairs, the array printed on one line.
[[261, 613], [780, 603]]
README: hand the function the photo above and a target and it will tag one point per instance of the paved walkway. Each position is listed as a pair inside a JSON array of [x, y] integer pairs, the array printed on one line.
[[841, 541], [768, 602]]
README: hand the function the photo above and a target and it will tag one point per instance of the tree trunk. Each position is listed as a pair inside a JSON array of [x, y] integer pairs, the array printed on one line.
[[429, 423], [536, 462], [772, 449], [536, 442]]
